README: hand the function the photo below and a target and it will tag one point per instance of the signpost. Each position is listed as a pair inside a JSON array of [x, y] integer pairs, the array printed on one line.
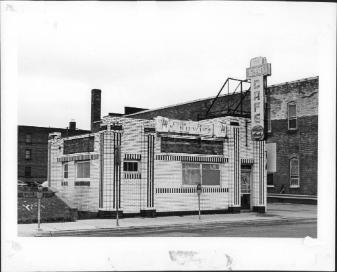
[[199, 193], [257, 72], [39, 195]]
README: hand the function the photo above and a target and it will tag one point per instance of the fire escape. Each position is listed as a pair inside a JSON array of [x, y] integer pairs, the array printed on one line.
[[236, 91]]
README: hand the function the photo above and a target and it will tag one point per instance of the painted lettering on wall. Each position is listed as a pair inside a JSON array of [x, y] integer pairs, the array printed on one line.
[[164, 124], [257, 72]]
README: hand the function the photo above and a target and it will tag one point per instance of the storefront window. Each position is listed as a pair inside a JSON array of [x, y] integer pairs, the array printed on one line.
[[83, 169], [205, 174], [191, 174], [210, 174]]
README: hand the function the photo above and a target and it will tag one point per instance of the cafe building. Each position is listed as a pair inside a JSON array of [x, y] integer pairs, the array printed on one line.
[[153, 167]]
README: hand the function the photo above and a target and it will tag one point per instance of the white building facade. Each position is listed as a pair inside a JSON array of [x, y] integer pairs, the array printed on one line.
[[152, 167]]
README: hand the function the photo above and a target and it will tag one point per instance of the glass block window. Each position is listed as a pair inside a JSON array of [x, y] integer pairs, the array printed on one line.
[[292, 116], [83, 169], [65, 170], [205, 174], [130, 166], [294, 173], [28, 154]]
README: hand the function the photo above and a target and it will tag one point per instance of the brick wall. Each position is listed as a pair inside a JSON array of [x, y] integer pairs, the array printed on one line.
[[197, 109], [39, 150]]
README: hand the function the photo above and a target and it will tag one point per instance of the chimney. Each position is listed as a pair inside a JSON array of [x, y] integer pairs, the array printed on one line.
[[95, 109], [72, 124]]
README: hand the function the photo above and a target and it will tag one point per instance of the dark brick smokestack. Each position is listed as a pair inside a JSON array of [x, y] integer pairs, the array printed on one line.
[[72, 125], [95, 109]]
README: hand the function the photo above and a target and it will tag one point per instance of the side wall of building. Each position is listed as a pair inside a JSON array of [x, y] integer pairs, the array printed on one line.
[[301, 143]]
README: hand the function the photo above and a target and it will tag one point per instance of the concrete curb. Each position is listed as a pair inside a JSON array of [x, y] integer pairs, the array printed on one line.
[[193, 225]]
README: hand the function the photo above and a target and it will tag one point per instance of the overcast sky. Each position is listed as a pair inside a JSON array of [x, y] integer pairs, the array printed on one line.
[[149, 55]]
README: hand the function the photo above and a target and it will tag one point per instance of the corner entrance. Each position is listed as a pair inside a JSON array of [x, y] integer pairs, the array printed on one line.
[[245, 187]]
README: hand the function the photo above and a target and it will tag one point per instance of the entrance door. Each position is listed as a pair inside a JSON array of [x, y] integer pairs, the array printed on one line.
[[245, 188]]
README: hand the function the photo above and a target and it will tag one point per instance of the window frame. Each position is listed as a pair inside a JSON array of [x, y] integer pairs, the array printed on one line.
[[28, 136], [294, 176], [270, 185], [64, 171], [131, 171], [28, 158], [201, 174], [76, 170], [30, 171], [290, 118]]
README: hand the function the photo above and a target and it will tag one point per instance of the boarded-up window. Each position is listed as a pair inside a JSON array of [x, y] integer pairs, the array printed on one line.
[[83, 169], [191, 146], [79, 145], [205, 174], [294, 173]]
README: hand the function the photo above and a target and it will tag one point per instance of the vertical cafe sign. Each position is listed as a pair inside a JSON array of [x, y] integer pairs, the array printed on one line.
[[257, 73]]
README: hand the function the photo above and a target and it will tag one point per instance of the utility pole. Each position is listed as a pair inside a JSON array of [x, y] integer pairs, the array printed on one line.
[[39, 195], [199, 193]]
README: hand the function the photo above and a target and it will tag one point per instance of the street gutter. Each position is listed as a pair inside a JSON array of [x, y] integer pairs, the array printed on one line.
[[193, 225]]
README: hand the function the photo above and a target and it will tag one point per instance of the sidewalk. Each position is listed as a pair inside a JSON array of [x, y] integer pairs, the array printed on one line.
[[277, 213]]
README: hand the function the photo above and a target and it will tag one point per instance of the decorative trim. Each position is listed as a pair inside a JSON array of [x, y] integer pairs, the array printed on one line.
[[82, 157], [237, 174], [189, 190], [133, 157], [150, 170], [187, 158], [132, 175], [247, 161]]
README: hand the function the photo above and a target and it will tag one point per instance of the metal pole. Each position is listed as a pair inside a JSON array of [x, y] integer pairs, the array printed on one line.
[[117, 186], [38, 213], [199, 206]]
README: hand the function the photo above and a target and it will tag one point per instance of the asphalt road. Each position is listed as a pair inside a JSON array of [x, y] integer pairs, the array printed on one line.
[[291, 230]]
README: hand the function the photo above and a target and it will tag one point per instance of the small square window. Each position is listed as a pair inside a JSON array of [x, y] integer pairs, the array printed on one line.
[[130, 166], [28, 154]]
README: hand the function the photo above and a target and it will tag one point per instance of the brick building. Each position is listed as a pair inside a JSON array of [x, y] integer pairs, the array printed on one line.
[[33, 150]]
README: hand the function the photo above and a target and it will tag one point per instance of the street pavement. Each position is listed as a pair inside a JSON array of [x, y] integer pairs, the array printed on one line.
[[278, 213]]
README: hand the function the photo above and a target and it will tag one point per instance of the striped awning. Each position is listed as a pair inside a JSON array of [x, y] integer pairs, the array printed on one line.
[[247, 161], [82, 157], [135, 157], [186, 158]]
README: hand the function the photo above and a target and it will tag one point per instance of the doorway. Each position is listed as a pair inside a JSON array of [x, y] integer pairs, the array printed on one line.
[[245, 187]]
